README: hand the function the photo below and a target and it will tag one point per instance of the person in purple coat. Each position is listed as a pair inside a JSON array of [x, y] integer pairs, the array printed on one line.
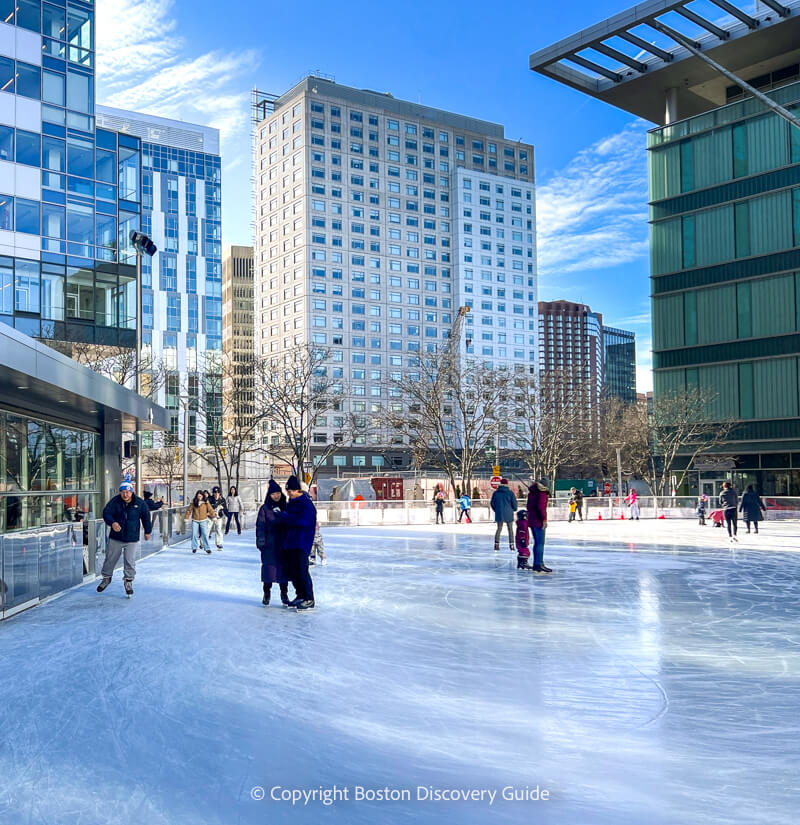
[[537, 519]]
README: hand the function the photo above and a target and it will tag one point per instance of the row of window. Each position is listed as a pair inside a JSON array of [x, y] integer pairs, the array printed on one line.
[[73, 89]]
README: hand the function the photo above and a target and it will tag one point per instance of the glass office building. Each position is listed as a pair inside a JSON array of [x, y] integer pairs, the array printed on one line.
[[619, 368], [69, 193], [725, 213]]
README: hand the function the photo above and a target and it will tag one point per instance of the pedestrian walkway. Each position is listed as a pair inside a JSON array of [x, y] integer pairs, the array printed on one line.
[[655, 684]]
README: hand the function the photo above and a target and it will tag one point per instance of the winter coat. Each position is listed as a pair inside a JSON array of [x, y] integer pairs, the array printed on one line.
[[537, 505], [439, 500], [217, 505], [521, 536], [751, 507], [300, 520], [504, 504], [153, 505], [465, 502], [728, 499], [270, 530], [129, 516], [234, 504], [701, 508], [200, 512]]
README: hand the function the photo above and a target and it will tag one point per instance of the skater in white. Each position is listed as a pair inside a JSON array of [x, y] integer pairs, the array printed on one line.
[[123, 514]]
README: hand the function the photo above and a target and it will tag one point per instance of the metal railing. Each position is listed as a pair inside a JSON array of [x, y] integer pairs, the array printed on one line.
[[355, 513]]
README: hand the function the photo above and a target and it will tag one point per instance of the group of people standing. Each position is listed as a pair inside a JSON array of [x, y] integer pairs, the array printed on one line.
[[751, 507], [285, 535], [207, 513], [531, 523]]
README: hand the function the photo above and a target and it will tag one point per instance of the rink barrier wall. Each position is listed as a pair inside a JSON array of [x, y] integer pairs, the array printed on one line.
[[356, 513], [42, 562]]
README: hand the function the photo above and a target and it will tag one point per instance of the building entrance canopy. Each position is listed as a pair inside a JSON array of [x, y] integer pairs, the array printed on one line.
[[631, 60]]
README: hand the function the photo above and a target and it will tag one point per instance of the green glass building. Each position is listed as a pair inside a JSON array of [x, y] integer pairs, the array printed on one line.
[[724, 209]]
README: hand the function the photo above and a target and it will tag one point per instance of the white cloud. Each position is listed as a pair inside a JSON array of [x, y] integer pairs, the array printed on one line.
[[143, 64], [593, 213]]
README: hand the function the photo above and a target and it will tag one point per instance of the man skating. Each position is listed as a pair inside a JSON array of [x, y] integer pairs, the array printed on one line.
[[124, 514], [504, 506], [300, 520]]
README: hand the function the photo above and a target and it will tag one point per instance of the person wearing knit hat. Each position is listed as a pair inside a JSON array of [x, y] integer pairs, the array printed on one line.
[[504, 506], [300, 519], [124, 514], [269, 540]]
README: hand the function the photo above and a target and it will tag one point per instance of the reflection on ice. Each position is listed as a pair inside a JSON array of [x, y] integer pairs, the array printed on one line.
[[637, 684]]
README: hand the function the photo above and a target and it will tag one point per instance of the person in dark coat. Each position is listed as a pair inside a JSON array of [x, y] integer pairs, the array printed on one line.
[[125, 514], [152, 504], [751, 508], [537, 520], [269, 540], [504, 505], [728, 501], [300, 520]]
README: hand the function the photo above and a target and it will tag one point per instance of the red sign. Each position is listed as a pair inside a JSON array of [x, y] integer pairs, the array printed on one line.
[[607, 488], [495, 482]]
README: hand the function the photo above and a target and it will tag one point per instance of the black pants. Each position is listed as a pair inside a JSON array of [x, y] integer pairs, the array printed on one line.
[[238, 524], [730, 520], [439, 514], [298, 573], [463, 513]]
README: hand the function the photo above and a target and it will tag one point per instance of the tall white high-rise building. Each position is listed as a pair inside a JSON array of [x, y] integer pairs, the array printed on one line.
[[376, 219]]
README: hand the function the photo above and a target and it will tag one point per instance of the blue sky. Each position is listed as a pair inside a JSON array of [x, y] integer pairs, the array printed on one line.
[[198, 61]]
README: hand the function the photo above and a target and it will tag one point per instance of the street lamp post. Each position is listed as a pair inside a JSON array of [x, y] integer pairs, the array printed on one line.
[[143, 246]]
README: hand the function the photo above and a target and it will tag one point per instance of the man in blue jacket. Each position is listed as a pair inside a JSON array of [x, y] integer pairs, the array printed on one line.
[[504, 505], [300, 519], [123, 514]]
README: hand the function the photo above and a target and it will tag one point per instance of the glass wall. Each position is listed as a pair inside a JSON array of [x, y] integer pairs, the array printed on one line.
[[48, 473]]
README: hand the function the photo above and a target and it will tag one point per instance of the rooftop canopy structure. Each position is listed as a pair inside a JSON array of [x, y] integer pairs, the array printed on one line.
[[644, 60]]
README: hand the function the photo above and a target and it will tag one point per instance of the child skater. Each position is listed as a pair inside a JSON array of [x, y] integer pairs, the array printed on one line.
[[702, 503], [521, 538]]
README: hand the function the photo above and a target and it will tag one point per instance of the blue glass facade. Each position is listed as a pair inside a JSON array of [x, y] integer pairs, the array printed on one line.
[[69, 193]]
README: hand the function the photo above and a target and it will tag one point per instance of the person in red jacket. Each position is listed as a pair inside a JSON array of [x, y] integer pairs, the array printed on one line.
[[537, 519]]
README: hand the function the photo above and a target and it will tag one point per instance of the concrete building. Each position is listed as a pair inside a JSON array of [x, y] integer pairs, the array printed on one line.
[[182, 283], [238, 320], [619, 364], [376, 219], [725, 211]]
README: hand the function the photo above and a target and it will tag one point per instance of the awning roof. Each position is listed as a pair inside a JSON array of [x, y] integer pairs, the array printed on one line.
[[631, 61]]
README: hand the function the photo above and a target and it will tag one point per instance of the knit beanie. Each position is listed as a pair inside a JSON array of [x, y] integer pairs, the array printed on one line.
[[293, 483]]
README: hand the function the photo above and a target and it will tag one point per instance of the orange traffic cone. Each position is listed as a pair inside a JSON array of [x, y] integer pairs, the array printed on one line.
[[599, 516], [662, 516], [622, 516]]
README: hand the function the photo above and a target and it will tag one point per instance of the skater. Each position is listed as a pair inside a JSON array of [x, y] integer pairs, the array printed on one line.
[[752, 508], [234, 507], [300, 520], [465, 505], [728, 500], [124, 514], [717, 518], [702, 503], [504, 505], [633, 504], [573, 506], [578, 496], [200, 512], [152, 504], [217, 503], [269, 540], [318, 547], [537, 519], [438, 500], [522, 541]]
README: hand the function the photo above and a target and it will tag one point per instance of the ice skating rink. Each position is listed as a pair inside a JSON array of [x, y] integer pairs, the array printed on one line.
[[654, 679]]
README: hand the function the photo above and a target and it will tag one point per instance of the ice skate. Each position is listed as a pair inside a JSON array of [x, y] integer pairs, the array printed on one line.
[[305, 604], [542, 568], [522, 563], [295, 602], [104, 583], [497, 547], [128, 585], [208, 551], [265, 598], [284, 597], [324, 562]]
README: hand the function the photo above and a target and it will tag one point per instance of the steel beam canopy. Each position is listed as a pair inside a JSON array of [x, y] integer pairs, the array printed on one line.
[[636, 59]]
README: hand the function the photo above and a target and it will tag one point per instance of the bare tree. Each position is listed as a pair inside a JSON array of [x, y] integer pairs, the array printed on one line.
[[448, 413], [554, 426], [295, 392], [679, 424], [165, 464]]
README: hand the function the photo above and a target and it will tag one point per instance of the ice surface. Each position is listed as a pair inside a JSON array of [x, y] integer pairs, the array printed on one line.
[[641, 683]]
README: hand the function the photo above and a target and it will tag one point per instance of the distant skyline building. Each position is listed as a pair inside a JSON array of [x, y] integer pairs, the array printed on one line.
[[619, 364], [376, 218], [238, 319], [724, 213], [182, 283]]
